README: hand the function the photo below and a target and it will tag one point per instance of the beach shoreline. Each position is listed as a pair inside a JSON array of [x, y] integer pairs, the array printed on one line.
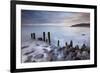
[[38, 50]]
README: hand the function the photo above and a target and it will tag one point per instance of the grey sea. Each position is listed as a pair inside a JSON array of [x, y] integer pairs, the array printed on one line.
[[79, 35]]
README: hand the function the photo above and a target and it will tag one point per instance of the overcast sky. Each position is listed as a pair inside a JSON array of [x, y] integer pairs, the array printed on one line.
[[33, 17]]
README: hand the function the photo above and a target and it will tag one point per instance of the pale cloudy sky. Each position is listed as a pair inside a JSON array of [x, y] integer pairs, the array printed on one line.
[[55, 18]]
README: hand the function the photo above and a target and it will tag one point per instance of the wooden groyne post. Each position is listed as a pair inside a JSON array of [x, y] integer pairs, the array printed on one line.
[[58, 43], [83, 47], [76, 47], [43, 36], [33, 36], [49, 39], [71, 43]]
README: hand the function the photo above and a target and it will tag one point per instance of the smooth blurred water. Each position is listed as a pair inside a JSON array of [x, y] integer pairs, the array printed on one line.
[[64, 34]]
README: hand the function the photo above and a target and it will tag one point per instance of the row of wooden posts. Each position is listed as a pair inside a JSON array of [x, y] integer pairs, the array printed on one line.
[[48, 39], [33, 36]]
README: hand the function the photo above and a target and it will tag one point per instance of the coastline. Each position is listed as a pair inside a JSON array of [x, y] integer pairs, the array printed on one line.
[[40, 51]]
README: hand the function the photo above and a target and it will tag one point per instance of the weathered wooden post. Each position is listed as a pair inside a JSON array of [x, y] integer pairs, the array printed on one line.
[[44, 36], [33, 35], [49, 39], [76, 47], [71, 43], [83, 47], [58, 43]]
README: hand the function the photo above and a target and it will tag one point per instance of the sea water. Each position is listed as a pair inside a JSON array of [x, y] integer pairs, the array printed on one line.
[[79, 35]]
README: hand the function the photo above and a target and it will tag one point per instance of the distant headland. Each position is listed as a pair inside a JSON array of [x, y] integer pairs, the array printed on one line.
[[81, 25]]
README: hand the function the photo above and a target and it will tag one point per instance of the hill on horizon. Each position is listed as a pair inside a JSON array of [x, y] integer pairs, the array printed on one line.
[[81, 25]]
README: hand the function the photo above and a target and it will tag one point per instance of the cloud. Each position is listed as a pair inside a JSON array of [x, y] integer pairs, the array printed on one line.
[[33, 17], [78, 18]]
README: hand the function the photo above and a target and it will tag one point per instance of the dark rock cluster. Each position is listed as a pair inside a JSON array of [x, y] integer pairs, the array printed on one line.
[[69, 52]]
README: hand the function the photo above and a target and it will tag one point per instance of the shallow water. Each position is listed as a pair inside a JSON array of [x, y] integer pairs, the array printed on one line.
[[64, 34]]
